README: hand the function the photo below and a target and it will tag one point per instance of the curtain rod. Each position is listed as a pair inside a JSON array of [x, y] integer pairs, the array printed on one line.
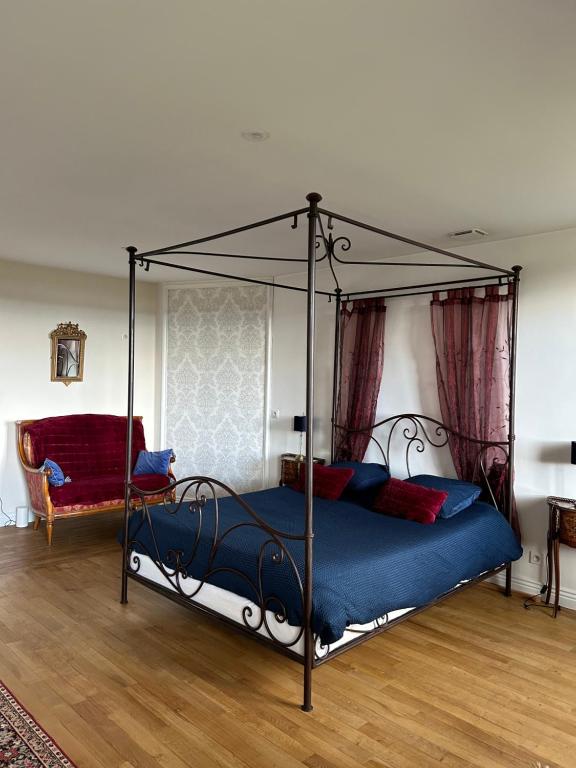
[[353, 263], [290, 215], [403, 264], [408, 290], [432, 286], [241, 256], [346, 297], [409, 241], [144, 260]]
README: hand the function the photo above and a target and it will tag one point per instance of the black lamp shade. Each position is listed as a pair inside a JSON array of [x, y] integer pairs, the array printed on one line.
[[299, 423], [573, 453]]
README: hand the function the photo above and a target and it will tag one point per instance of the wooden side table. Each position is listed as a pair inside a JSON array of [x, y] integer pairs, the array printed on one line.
[[290, 465], [561, 518]]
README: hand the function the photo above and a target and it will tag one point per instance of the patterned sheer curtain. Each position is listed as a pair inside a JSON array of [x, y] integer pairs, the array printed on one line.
[[361, 365], [472, 335]]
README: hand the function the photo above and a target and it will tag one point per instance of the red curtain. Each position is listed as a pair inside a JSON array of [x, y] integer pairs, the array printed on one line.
[[361, 364], [472, 337]]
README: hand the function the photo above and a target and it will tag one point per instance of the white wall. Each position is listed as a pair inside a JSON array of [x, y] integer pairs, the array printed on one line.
[[33, 300], [287, 376], [546, 375]]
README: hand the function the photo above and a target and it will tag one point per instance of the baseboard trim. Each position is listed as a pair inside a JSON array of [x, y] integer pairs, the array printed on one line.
[[532, 587]]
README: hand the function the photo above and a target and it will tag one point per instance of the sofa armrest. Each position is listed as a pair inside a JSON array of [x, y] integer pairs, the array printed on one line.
[[38, 488], [37, 481], [33, 471], [36, 477]]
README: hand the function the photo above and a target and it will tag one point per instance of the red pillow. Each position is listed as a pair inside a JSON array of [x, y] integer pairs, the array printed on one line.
[[409, 501], [328, 482]]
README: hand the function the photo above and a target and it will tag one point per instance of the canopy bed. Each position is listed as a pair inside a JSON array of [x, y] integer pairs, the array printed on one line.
[[253, 561]]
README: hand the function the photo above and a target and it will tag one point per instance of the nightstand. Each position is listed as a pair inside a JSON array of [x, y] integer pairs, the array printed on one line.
[[561, 530], [290, 466]]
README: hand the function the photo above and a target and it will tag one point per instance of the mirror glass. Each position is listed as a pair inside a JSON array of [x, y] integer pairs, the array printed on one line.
[[68, 358]]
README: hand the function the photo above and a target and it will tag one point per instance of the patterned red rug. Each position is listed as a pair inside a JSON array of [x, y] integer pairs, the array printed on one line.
[[23, 744]]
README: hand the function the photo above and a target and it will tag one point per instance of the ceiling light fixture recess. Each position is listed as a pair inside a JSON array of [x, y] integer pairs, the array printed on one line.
[[255, 135], [474, 233]]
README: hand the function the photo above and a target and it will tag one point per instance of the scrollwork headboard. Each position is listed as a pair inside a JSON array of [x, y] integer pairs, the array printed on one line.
[[489, 462]]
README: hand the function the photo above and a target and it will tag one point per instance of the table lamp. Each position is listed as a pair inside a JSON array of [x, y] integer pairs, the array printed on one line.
[[300, 426]]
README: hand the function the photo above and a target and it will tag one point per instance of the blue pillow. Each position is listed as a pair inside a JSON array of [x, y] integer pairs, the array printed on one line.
[[365, 483], [153, 462], [57, 476], [460, 493]]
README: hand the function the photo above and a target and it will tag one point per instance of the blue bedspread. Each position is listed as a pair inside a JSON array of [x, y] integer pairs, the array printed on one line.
[[365, 564]]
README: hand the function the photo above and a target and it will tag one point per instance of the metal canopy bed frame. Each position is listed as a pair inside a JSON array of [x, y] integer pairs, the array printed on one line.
[[265, 615]]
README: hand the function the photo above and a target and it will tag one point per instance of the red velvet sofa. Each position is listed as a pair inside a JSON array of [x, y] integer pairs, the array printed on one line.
[[91, 449]]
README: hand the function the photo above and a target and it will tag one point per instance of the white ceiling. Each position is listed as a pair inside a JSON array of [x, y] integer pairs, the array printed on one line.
[[121, 121]]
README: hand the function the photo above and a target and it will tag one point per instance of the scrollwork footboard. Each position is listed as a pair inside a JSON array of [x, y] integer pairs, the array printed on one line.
[[221, 542]]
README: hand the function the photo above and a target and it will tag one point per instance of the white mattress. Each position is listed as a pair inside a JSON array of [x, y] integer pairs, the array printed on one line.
[[232, 606]]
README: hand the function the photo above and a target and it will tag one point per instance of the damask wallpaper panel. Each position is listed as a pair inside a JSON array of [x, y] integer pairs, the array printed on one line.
[[216, 339]]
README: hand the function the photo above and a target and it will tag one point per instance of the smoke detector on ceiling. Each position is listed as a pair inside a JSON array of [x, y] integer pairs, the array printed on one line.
[[255, 135], [474, 233]]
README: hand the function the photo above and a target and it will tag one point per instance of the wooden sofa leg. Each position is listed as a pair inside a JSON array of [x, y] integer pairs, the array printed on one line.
[[36, 522], [49, 529]]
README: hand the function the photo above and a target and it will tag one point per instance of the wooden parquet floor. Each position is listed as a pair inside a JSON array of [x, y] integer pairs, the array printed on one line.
[[476, 681]]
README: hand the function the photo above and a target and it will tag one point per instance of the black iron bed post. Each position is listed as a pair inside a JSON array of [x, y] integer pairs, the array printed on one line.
[[129, 418], [512, 413], [313, 198], [335, 374]]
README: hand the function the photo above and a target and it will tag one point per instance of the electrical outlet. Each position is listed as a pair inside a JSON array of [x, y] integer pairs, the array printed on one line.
[[534, 558]]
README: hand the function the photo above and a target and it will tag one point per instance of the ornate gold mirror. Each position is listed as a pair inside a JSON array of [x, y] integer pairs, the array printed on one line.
[[67, 353]]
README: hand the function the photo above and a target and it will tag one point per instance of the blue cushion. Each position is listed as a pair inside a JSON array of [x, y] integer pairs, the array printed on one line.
[[460, 493], [153, 462], [365, 483], [57, 476]]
